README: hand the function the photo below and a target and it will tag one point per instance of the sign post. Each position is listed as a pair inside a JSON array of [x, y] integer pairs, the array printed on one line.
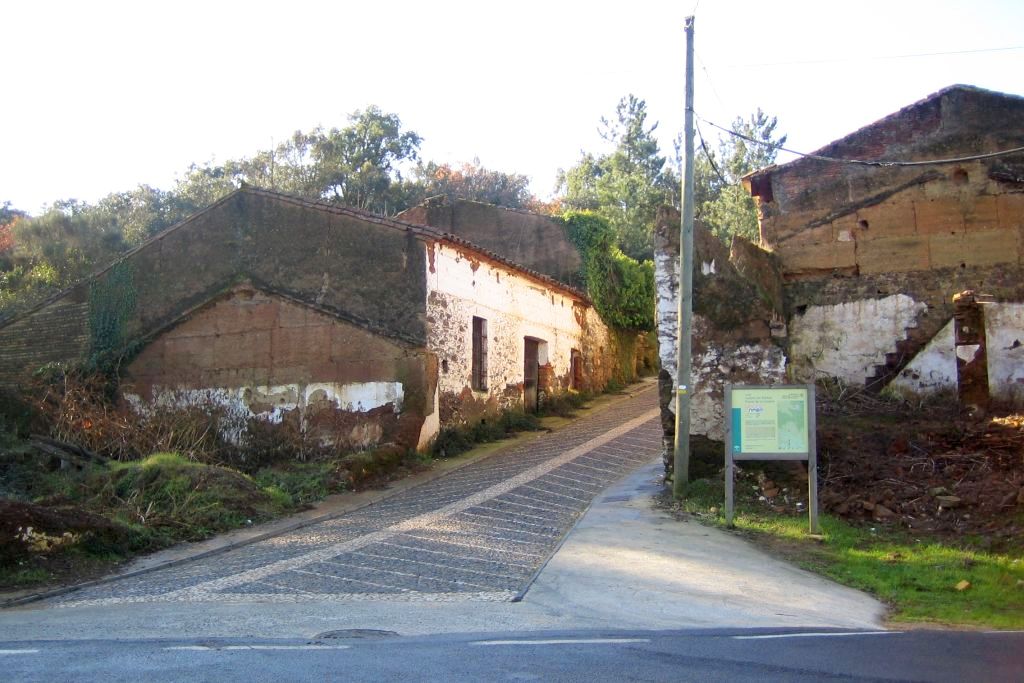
[[771, 423]]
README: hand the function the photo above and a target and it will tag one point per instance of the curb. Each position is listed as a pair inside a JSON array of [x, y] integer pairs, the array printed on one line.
[[441, 468]]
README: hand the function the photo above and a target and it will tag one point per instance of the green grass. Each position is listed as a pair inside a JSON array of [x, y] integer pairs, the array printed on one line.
[[916, 577], [16, 577]]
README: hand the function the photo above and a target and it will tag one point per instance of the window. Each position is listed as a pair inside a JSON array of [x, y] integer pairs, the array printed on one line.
[[479, 354]]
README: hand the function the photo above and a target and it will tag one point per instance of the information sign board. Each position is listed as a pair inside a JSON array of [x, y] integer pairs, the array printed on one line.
[[771, 423]]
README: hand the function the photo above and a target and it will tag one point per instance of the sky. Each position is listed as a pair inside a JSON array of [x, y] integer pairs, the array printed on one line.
[[103, 96]]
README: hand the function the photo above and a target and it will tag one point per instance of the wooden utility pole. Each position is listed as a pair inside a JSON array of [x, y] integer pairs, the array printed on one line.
[[681, 460]]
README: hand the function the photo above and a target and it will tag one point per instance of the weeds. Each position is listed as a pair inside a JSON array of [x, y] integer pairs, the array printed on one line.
[[452, 441]]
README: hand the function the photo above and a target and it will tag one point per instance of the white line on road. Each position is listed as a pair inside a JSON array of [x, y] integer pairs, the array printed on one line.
[[563, 641], [818, 635], [19, 652], [206, 648]]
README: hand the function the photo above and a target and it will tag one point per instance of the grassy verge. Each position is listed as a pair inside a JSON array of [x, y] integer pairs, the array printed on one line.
[[919, 578]]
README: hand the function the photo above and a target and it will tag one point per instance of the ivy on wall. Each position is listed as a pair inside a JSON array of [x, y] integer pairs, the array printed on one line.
[[112, 300], [621, 288]]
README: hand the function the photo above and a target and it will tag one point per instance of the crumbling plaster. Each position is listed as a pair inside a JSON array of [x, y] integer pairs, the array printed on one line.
[[731, 339], [933, 369], [1004, 332], [253, 355], [848, 340], [461, 285]]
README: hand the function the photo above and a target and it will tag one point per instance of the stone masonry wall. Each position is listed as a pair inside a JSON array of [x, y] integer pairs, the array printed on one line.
[[357, 267], [515, 306], [872, 256], [737, 329], [532, 240]]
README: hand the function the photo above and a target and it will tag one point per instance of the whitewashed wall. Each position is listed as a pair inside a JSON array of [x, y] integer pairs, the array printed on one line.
[[460, 286], [718, 358], [848, 340], [1004, 342], [932, 369]]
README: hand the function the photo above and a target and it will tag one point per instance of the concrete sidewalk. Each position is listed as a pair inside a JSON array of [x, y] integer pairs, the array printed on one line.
[[628, 564]]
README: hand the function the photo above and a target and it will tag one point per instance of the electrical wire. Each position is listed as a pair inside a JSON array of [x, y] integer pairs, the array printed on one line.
[[711, 159], [864, 162]]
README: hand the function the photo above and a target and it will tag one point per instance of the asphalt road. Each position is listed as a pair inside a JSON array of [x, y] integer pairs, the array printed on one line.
[[481, 533], [565, 656]]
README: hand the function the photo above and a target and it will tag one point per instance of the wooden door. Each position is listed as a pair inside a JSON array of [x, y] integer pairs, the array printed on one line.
[[531, 368]]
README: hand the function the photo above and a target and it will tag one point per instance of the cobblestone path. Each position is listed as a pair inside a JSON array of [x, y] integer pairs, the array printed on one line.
[[480, 533]]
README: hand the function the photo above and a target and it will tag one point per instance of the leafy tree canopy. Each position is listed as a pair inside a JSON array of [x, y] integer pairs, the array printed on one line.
[[473, 181], [626, 185], [720, 200], [371, 163]]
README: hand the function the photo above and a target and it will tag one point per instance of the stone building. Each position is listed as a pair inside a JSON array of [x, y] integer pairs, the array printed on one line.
[[360, 328], [872, 256], [869, 259]]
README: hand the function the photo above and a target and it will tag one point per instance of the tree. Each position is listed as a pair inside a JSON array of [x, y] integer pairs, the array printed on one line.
[[721, 201], [359, 165], [474, 182], [627, 185]]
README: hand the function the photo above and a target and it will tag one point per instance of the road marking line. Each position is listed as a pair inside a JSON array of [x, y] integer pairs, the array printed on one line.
[[419, 577], [818, 635], [19, 652], [210, 648], [563, 641], [494, 518], [579, 482], [591, 467], [504, 501], [554, 493], [325, 575], [555, 506], [473, 533]]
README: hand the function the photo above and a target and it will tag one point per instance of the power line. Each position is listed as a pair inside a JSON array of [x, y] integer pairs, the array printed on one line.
[[866, 58], [864, 162], [714, 90], [711, 159]]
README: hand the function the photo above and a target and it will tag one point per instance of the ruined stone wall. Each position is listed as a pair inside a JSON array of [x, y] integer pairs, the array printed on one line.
[[872, 256], [737, 330], [535, 241], [934, 368], [957, 218], [54, 333], [253, 355], [461, 285]]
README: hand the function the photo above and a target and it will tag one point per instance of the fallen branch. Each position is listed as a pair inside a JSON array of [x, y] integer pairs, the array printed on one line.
[[68, 448]]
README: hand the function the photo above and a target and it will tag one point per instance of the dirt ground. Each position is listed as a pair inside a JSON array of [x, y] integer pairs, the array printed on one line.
[[931, 469]]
